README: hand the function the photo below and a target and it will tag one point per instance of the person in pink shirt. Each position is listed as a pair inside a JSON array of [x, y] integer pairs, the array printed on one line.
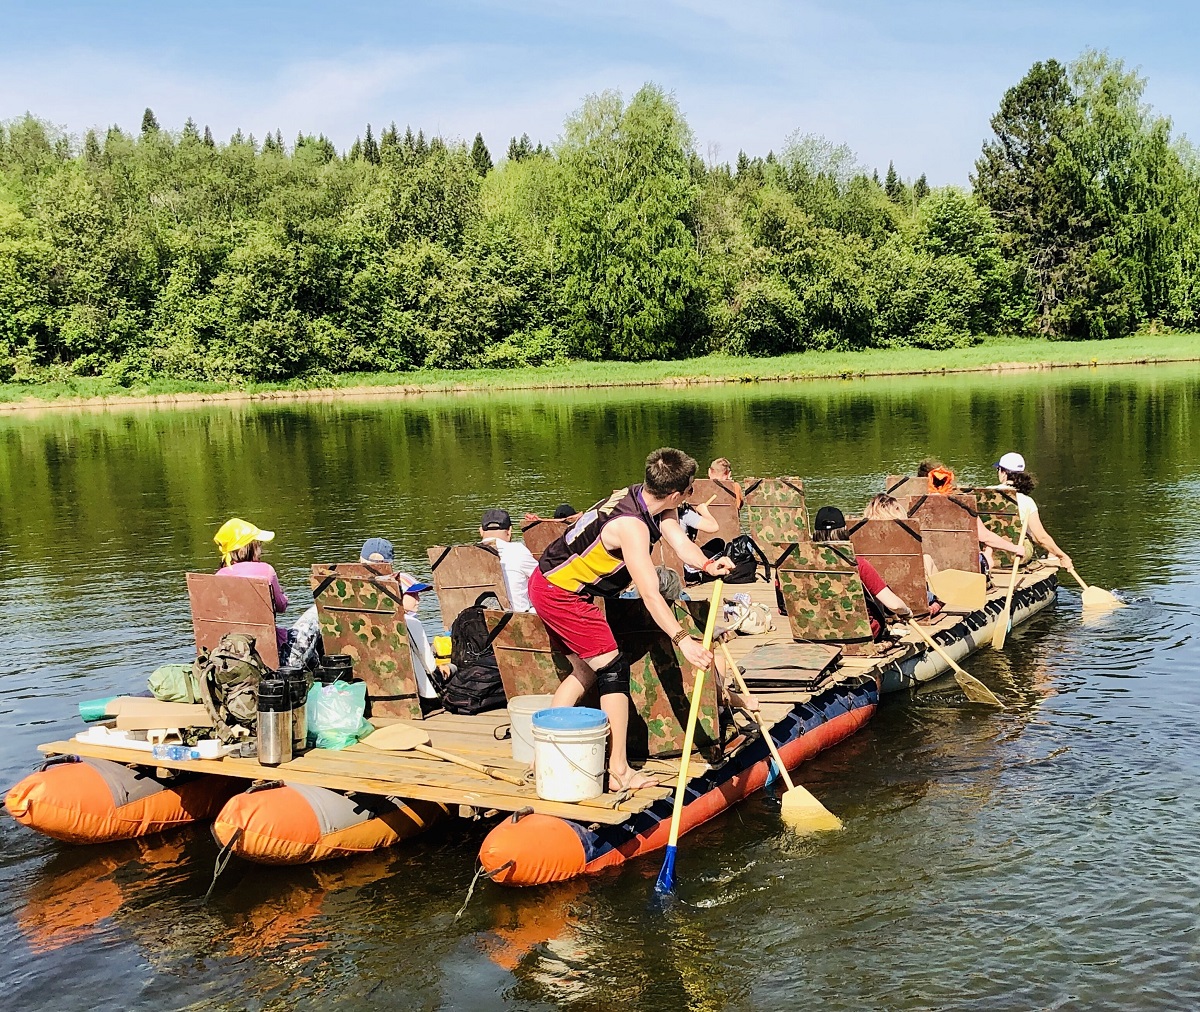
[[241, 544]]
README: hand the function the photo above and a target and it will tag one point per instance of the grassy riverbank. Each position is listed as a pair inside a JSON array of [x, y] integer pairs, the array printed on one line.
[[1014, 353]]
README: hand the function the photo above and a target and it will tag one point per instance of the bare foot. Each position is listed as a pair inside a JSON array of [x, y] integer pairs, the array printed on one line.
[[629, 780], [740, 702]]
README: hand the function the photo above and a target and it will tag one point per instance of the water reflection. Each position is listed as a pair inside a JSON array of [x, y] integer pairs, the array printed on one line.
[[1017, 859]]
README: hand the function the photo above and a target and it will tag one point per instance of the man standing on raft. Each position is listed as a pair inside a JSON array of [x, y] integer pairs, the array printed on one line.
[[607, 547]]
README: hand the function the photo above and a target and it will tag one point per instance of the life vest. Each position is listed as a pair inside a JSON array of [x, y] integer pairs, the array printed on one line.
[[941, 481], [578, 561]]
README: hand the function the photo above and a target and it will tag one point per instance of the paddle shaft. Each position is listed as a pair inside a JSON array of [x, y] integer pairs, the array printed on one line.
[[490, 771], [693, 712], [1078, 578], [1001, 632], [758, 718], [936, 647]]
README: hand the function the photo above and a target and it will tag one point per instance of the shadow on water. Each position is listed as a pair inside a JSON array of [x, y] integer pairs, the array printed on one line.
[[1037, 857]]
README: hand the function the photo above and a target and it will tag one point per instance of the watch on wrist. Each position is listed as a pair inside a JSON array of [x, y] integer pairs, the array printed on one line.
[[680, 636]]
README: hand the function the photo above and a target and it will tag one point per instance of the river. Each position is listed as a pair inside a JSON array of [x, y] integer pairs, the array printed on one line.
[[1043, 857]]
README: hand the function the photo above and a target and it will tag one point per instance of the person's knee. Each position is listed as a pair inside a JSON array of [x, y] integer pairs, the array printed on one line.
[[613, 677]]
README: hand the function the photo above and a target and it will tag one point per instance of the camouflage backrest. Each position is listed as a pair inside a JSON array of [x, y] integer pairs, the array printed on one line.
[[894, 548], [538, 535], [775, 511], [823, 594], [724, 508], [661, 680], [998, 511], [530, 664], [462, 573], [233, 604], [363, 570], [365, 619], [949, 528]]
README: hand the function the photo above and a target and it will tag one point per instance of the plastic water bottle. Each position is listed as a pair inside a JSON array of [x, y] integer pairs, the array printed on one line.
[[176, 753]]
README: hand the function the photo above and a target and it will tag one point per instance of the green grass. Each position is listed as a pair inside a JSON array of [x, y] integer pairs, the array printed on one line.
[[710, 368]]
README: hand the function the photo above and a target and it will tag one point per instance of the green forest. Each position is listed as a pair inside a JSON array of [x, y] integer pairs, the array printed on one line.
[[172, 254]]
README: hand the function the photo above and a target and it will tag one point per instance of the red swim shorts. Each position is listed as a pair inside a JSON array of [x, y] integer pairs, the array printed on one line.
[[572, 619]]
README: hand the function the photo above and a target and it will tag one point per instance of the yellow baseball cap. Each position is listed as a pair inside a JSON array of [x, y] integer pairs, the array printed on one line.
[[235, 534]]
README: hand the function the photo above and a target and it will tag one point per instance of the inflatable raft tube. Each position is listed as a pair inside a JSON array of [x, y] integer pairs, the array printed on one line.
[[531, 849], [97, 801], [297, 824]]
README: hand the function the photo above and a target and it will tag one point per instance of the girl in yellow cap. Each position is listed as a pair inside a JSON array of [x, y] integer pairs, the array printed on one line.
[[240, 543]]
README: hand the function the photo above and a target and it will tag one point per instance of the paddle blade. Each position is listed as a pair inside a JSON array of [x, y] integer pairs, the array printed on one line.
[[975, 690], [666, 876], [397, 737], [1000, 633], [1097, 597], [805, 814]]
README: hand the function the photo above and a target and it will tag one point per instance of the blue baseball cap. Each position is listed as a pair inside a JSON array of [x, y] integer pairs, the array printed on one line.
[[377, 550]]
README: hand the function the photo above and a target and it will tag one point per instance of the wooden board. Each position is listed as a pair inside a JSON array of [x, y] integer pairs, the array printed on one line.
[[724, 508], [464, 573], [900, 485], [949, 529], [233, 604], [895, 549], [538, 535]]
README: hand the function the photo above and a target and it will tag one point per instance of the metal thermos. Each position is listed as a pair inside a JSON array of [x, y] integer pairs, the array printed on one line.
[[297, 679], [274, 721]]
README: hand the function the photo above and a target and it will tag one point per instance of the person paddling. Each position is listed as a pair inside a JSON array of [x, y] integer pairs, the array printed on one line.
[[941, 482], [1013, 477], [605, 549]]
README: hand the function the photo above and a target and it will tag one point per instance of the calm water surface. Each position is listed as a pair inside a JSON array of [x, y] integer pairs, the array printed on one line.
[[1042, 857]]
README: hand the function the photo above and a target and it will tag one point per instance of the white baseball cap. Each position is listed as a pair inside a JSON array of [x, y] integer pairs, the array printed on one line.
[[1013, 463]]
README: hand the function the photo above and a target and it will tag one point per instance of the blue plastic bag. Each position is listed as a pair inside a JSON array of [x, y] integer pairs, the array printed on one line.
[[335, 714]]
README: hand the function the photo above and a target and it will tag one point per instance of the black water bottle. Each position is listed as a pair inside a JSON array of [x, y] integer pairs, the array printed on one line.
[[297, 679], [274, 721]]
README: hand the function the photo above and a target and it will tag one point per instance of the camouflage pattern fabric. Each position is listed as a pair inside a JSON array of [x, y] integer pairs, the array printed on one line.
[[824, 595], [998, 511], [529, 664], [775, 510], [365, 619]]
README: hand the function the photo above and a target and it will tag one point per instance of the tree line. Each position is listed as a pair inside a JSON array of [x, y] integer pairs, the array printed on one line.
[[174, 255]]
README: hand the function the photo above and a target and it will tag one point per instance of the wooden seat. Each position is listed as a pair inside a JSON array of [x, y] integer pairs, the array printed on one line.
[[901, 485], [724, 508], [949, 529], [824, 595], [661, 680], [895, 549], [538, 535], [462, 574], [775, 510], [233, 604], [365, 619]]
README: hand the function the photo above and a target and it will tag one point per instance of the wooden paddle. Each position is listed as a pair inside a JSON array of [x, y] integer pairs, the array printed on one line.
[[1000, 633], [798, 807], [971, 686], [666, 875], [401, 737], [1096, 597]]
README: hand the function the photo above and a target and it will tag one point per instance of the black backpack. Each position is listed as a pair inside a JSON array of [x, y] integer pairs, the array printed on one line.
[[474, 686]]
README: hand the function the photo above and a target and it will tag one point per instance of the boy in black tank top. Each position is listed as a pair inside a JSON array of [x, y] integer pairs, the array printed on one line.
[[605, 550]]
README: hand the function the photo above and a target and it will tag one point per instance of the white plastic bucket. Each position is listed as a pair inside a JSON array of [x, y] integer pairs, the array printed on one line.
[[520, 716], [568, 745]]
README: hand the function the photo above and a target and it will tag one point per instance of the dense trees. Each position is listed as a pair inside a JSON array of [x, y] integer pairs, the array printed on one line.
[[175, 254]]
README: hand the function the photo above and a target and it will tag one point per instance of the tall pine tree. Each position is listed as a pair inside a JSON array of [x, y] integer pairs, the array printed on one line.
[[481, 158]]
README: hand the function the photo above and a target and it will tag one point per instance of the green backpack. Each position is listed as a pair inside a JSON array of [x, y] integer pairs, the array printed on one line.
[[228, 677]]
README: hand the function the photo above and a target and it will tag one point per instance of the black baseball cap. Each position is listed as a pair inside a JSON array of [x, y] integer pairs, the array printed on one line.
[[496, 520], [829, 518], [565, 510]]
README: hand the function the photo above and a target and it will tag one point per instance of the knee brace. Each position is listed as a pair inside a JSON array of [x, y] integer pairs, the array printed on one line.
[[613, 677]]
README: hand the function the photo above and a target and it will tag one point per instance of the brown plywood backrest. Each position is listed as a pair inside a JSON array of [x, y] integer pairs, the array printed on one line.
[[724, 508], [900, 485], [662, 554], [233, 604], [529, 663], [462, 574], [894, 548], [949, 529], [538, 535]]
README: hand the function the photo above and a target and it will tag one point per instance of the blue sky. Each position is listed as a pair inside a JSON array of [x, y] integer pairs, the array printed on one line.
[[911, 81]]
